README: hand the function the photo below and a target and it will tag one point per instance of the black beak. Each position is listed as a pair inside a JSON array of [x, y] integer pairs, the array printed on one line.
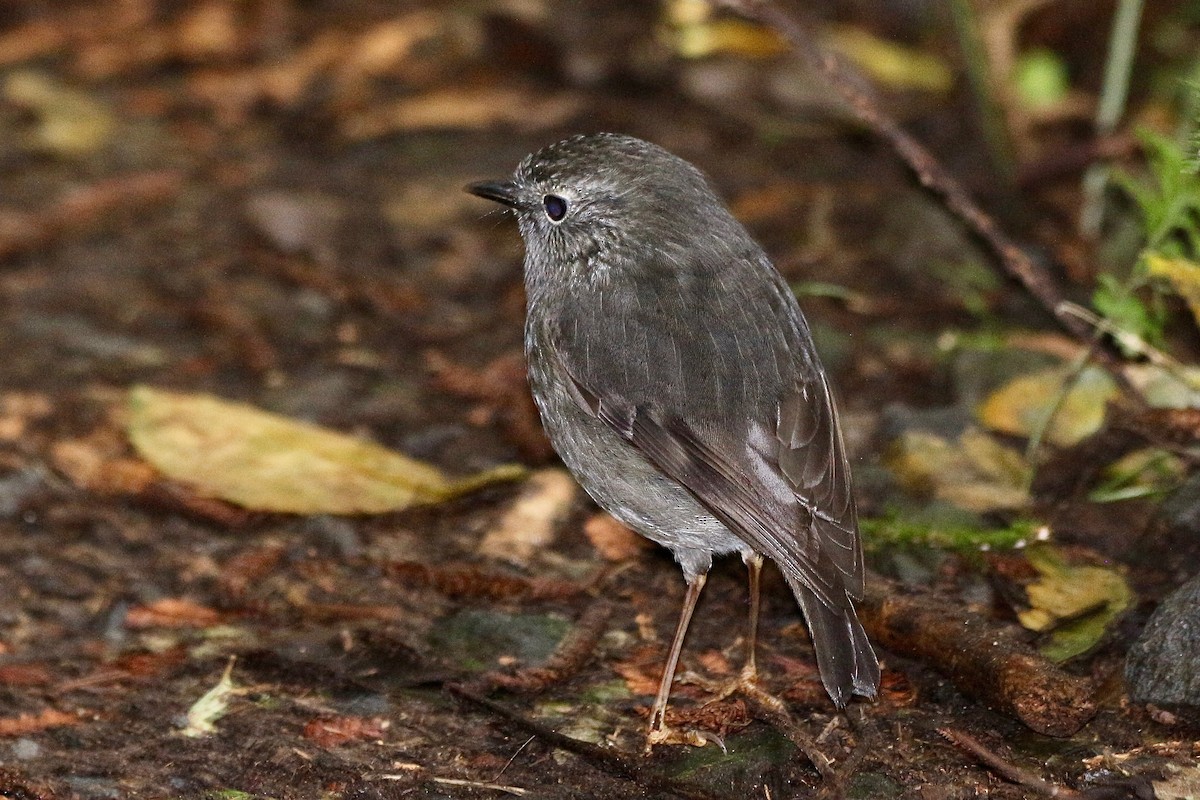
[[503, 192]]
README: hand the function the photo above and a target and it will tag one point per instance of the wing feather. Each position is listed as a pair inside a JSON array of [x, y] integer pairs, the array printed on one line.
[[756, 443]]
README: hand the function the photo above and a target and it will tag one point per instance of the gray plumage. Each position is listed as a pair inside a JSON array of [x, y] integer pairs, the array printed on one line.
[[677, 379]]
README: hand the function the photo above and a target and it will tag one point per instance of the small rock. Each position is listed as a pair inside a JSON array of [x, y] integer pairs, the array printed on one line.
[[26, 749], [1161, 666], [297, 223], [483, 639], [17, 488], [338, 532]]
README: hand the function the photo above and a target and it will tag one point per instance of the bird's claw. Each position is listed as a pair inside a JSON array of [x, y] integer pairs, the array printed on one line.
[[689, 736]]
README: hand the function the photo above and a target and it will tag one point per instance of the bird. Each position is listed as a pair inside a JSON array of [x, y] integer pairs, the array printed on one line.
[[677, 379]]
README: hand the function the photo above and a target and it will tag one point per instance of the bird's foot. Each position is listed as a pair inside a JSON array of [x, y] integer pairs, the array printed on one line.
[[746, 684], [665, 734]]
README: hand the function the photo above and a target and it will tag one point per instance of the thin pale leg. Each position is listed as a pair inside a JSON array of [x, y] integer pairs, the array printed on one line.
[[659, 732], [754, 563], [747, 681]]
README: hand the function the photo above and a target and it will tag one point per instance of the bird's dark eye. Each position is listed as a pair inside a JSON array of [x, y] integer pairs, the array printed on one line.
[[556, 207]]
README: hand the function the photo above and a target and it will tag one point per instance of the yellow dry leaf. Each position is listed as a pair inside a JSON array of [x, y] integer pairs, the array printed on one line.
[[1184, 275], [729, 36], [1077, 602], [212, 705], [976, 472], [1021, 406], [892, 64], [266, 462], [695, 32], [71, 123], [529, 524], [1163, 386]]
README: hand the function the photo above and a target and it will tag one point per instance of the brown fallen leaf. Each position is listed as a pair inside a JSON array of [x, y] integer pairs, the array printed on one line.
[[96, 463], [468, 107], [26, 724], [141, 665], [642, 670], [714, 662], [332, 731], [386, 47], [24, 675], [613, 540], [182, 498], [248, 567], [172, 612], [147, 665], [232, 93], [19, 410], [896, 689]]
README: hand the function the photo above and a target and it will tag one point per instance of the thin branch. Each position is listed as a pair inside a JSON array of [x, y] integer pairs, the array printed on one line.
[[928, 170], [1010, 772], [985, 659]]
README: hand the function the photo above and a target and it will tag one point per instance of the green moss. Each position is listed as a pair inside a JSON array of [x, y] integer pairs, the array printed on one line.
[[892, 530]]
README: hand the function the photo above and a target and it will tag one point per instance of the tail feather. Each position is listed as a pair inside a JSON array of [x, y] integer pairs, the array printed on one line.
[[844, 655]]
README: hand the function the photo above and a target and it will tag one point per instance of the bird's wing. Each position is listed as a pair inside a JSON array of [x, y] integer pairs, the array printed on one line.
[[716, 384], [812, 457]]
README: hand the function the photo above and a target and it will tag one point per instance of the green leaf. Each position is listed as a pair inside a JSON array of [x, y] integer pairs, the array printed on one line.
[[1170, 200], [1117, 303], [1142, 473]]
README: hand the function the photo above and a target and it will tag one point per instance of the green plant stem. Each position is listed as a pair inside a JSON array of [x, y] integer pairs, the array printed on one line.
[[1122, 42], [1040, 431]]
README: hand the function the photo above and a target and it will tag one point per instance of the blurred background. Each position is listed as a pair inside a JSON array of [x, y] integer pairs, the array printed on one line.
[[261, 201]]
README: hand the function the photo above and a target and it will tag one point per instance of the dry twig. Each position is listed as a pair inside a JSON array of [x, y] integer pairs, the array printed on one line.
[[985, 660], [471, 582], [1008, 771], [632, 769]]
